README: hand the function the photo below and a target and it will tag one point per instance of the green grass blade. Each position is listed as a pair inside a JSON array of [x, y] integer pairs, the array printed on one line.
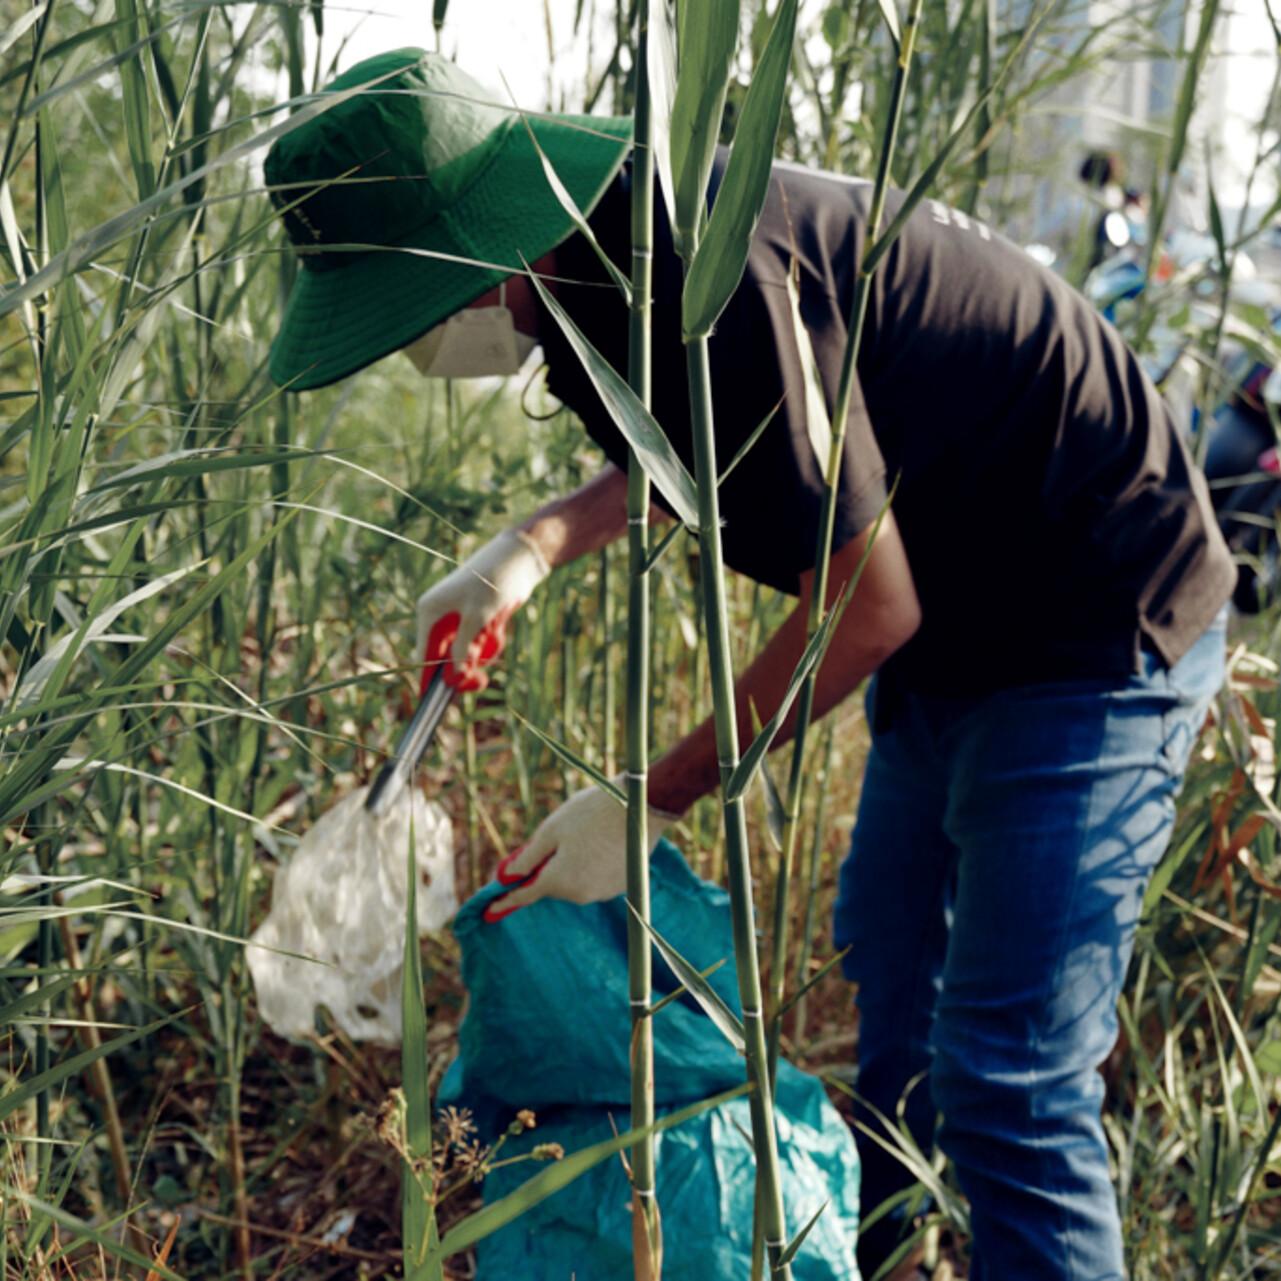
[[722, 250], [186, 463], [18, 789], [20, 26], [81, 1230], [34, 999], [692, 980], [418, 1211], [136, 103], [91, 245], [33, 1085], [653, 450], [507, 1210]]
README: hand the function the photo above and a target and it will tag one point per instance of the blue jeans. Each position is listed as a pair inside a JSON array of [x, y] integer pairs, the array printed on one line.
[[990, 898]]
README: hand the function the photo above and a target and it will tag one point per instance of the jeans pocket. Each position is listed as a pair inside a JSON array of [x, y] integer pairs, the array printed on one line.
[[1198, 675], [1193, 682]]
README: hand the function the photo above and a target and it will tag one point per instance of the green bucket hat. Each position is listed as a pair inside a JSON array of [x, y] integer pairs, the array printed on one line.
[[425, 159]]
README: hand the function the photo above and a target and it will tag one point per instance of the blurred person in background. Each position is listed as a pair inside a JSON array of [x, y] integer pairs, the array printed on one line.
[[1120, 214], [1040, 612]]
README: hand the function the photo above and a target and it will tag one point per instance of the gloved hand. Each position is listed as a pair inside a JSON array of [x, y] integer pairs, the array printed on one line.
[[462, 620], [578, 853]]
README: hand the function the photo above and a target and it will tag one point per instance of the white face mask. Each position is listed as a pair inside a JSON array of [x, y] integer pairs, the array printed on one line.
[[477, 342]]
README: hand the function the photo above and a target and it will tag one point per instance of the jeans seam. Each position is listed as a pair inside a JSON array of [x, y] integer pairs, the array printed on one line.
[[1035, 1043]]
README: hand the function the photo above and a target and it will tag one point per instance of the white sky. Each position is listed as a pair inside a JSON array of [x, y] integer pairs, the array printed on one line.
[[501, 39], [495, 40]]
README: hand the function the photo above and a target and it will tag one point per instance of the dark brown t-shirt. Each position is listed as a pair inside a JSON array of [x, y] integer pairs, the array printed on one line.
[[1053, 520]]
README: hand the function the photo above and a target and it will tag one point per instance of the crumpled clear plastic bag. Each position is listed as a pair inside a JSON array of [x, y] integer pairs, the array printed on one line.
[[341, 900]]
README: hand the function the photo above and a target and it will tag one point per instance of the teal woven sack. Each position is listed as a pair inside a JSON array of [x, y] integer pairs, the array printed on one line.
[[547, 1028]]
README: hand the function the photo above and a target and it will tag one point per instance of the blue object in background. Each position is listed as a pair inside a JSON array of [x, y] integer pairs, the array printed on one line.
[[547, 1028]]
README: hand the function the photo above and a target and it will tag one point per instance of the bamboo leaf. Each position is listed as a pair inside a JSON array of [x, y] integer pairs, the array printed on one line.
[[819, 975], [818, 422], [667, 1000], [707, 38], [572, 211], [751, 759], [653, 450], [660, 63], [775, 811], [572, 759], [722, 250], [799, 1239], [661, 546], [747, 444], [890, 14], [1216, 225], [691, 978], [507, 1210]]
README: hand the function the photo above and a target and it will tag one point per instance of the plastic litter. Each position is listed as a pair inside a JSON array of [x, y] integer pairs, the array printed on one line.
[[341, 900], [547, 1028]]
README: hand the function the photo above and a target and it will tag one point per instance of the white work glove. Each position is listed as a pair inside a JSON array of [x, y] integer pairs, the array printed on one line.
[[578, 853], [462, 620]]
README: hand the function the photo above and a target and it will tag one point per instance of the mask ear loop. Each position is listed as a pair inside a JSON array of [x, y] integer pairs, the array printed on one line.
[[524, 392]]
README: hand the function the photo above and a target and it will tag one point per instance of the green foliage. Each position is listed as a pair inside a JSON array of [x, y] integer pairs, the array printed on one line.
[[206, 595]]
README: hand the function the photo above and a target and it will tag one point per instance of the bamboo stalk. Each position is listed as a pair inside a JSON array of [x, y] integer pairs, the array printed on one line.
[[715, 606], [609, 701], [647, 1240], [812, 877], [827, 524], [99, 1075]]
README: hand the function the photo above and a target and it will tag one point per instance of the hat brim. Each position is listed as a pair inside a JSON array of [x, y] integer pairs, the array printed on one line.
[[343, 317]]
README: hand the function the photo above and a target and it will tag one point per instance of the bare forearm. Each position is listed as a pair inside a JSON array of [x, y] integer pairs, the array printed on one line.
[[881, 616], [591, 517], [691, 770]]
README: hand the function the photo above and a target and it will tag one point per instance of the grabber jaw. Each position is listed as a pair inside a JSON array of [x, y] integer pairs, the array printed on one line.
[[398, 769]]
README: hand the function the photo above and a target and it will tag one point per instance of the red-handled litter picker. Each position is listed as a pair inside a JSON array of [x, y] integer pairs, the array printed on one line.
[[330, 938]]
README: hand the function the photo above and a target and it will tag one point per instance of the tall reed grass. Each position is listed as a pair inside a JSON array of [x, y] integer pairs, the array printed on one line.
[[206, 590]]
